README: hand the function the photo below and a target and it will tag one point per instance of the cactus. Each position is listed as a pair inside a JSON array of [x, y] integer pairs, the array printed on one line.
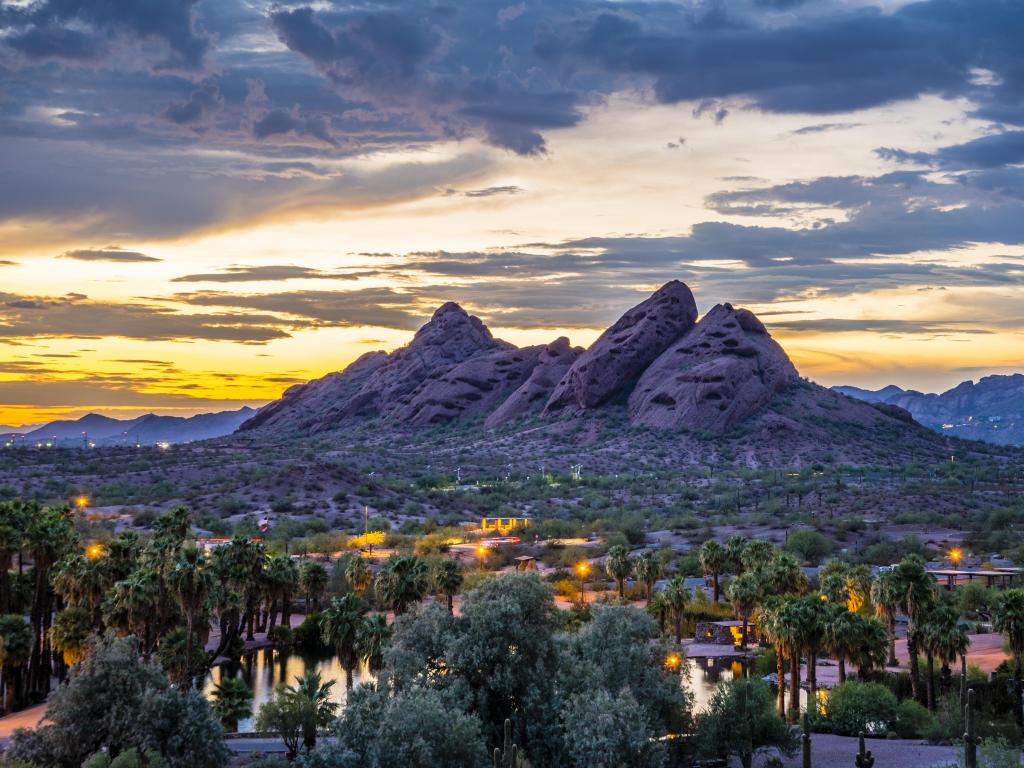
[[507, 756], [806, 740], [864, 757], [971, 741]]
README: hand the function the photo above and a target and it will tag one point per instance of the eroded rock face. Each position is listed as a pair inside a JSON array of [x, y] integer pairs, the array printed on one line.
[[451, 337], [529, 398], [310, 403], [622, 352], [474, 387], [723, 371]]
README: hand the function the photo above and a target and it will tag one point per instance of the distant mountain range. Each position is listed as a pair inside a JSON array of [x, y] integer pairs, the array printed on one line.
[[657, 380], [991, 409], [144, 430]]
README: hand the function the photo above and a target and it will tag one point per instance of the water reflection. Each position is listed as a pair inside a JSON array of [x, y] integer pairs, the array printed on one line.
[[706, 673], [264, 669]]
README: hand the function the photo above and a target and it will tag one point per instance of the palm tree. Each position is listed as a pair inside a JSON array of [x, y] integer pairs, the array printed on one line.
[[16, 641], [83, 582], [339, 627], [70, 633], [192, 583], [281, 578], [756, 554], [744, 592], [372, 637], [887, 598], [448, 579], [1008, 619], [811, 618], [232, 701], [917, 591], [658, 608], [783, 576], [942, 638], [676, 597], [132, 605], [773, 628], [850, 637], [873, 649], [401, 582], [312, 698], [357, 573], [648, 571], [789, 636], [713, 559], [313, 580], [619, 566], [13, 519], [734, 549]]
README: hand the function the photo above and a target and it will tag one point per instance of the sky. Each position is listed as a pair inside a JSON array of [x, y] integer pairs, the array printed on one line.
[[204, 202]]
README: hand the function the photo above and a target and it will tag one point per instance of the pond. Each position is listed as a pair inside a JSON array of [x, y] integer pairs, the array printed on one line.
[[264, 669]]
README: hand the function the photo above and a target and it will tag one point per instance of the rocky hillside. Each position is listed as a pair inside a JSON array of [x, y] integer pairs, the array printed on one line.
[[991, 409], [658, 368]]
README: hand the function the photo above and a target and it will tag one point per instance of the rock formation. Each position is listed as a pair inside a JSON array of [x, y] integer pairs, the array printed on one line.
[[718, 374], [552, 364], [621, 353]]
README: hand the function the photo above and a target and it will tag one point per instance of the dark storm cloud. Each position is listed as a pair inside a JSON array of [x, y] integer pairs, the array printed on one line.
[[110, 253], [74, 30], [993, 151]]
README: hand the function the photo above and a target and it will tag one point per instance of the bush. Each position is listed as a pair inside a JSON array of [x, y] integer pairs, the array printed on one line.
[[912, 720], [282, 636], [854, 707], [306, 637]]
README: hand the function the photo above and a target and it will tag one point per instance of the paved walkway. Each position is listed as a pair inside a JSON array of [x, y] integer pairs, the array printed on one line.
[[26, 718], [828, 751]]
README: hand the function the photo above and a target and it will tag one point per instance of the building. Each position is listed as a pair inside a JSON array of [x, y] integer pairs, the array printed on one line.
[[503, 525], [724, 632]]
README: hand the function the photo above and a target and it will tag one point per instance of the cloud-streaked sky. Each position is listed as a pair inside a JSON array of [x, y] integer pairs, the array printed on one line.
[[205, 201]]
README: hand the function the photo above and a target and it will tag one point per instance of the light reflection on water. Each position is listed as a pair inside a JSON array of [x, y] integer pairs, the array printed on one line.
[[264, 669]]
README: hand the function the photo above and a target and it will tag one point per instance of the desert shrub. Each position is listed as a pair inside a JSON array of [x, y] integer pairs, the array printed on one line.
[[912, 720], [854, 707]]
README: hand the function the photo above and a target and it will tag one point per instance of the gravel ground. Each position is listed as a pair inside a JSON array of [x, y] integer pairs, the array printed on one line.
[[828, 751]]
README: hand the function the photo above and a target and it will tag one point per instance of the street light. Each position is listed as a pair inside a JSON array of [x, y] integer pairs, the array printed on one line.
[[672, 661], [82, 502], [582, 568], [955, 555], [94, 551]]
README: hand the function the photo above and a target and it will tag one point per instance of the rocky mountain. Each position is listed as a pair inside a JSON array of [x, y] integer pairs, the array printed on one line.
[[658, 367], [145, 430], [991, 409]]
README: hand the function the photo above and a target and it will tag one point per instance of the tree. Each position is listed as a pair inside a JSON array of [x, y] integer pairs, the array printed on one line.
[[357, 573], [1008, 619], [771, 622], [610, 730], [448, 579], [676, 597], [734, 549], [13, 520], [756, 554], [70, 634], [401, 582], [420, 727], [809, 545], [850, 637], [942, 638], [916, 588], [809, 622], [15, 651], [299, 711], [713, 559], [192, 583], [114, 701], [232, 701], [782, 576], [372, 636], [339, 625], [887, 597], [131, 606], [648, 570], [313, 581], [282, 578], [740, 721], [744, 592], [619, 567]]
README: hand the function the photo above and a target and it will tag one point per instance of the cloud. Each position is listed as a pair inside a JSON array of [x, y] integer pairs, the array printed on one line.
[[508, 189], [823, 127], [198, 110], [110, 253], [992, 151], [262, 273], [8, 263], [76, 30], [76, 316]]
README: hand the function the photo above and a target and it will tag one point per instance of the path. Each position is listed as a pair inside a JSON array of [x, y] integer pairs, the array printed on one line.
[[26, 718], [828, 750]]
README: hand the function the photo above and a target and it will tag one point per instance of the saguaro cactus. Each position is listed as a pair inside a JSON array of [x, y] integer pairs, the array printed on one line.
[[971, 741], [806, 741], [864, 757], [507, 756]]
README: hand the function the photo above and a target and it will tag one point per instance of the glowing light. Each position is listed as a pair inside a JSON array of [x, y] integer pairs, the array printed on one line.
[[482, 550], [94, 551], [672, 661], [582, 568], [955, 555], [82, 502], [824, 598]]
